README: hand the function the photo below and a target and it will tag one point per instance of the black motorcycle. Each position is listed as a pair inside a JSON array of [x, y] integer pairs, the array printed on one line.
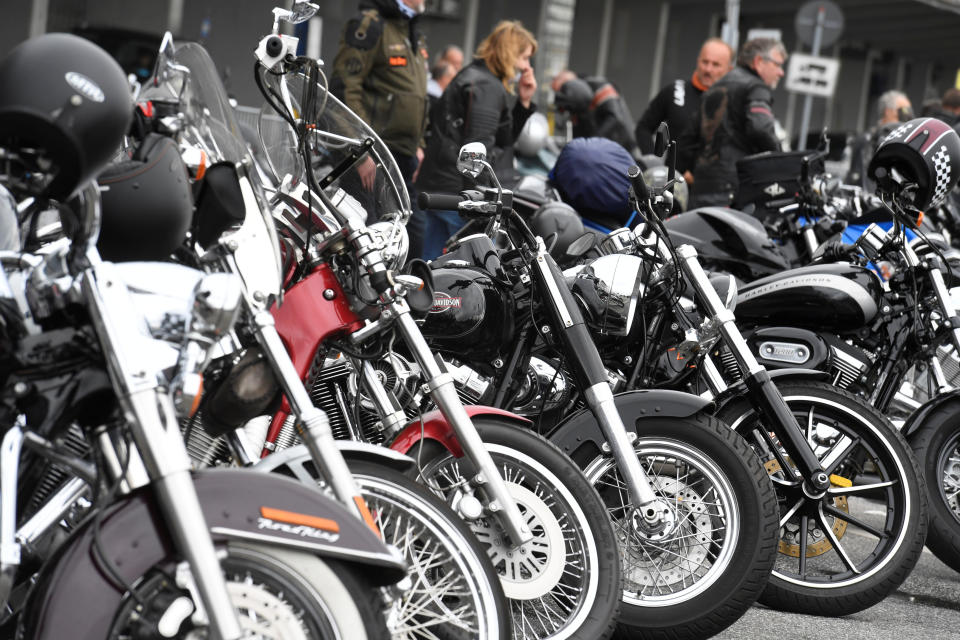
[[692, 507], [815, 441]]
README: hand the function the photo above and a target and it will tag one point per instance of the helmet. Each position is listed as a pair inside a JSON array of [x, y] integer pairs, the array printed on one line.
[[147, 205], [533, 136], [66, 96], [925, 151], [574, 96], [558, 224]]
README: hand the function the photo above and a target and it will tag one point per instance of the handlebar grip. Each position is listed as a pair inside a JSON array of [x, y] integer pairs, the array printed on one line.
[[448, 201], [639, 185]]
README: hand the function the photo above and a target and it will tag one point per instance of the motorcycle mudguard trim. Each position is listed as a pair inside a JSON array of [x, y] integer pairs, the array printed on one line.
[[74, 598], [917, 417], [436, 427], [775, 374], [633, 406], [351, 450]]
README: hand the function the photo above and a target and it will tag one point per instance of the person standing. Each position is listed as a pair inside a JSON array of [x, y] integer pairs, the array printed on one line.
[[893, 108], [380, 72], [595, 108], [678, 103], [736, 120], [488, 102]]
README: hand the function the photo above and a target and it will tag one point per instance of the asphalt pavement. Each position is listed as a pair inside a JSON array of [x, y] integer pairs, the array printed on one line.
[[926, 607]]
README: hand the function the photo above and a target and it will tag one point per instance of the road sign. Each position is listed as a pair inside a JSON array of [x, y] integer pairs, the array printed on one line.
[[805, 22], [812, 75]]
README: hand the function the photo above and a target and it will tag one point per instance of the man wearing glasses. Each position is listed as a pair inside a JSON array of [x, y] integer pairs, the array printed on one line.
[[735, 120]]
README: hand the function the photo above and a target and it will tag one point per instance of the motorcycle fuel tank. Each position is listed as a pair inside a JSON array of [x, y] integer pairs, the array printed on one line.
[[471, 316], [837, 297]]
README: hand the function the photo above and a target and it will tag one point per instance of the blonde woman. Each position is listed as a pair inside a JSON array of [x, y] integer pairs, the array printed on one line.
[[488, 102]]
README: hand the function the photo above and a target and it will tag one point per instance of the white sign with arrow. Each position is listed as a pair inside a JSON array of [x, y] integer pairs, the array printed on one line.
[[812, 75]]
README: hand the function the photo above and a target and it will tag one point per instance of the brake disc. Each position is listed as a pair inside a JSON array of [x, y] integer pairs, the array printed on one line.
[[817, 541]]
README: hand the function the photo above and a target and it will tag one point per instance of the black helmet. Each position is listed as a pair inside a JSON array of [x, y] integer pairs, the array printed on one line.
[[574, 96], [66, 96], [147, 203], [558, 224], [925, 151]]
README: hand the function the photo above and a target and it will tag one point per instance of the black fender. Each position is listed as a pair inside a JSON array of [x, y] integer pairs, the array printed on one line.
[[917, 417], [350, 449], [778, 375], [74, 598], [582, 427]]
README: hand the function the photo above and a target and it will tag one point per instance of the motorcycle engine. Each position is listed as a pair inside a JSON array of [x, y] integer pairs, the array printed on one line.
[[544, 388]]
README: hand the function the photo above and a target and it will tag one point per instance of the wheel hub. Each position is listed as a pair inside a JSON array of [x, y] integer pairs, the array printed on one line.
[[817, 541], [531, 570], [682, 537]]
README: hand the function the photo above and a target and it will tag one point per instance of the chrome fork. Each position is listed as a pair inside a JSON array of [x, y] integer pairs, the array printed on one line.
[[157, 436]]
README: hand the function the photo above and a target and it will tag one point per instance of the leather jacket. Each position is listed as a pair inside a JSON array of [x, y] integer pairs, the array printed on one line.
[[475, 107], [735, 120]]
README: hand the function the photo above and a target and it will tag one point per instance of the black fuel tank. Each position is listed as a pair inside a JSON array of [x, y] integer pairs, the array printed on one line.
[[835, 297], [728, 240], [471, 316]]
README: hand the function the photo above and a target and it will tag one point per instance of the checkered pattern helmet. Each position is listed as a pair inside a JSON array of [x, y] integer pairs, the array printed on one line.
[[925, 151]]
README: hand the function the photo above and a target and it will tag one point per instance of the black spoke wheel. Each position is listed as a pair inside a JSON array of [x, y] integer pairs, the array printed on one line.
[[847, 549]]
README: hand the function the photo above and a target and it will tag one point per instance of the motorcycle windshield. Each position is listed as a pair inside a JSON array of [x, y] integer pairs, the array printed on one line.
[[185, 74], [335, 133]]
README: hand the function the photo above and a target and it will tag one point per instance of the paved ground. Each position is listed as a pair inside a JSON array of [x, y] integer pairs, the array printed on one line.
[[926, 607]]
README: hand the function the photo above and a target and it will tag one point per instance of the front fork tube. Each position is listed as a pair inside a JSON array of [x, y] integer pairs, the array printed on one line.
[[592, 376], [763, 392], [946, 305], [9, 548], [443, 391], [313, 423], [155, 431]]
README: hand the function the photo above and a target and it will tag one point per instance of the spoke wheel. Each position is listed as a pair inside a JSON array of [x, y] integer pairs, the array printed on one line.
[[936, 443], [564, 582], [844, 550], [451, 590]]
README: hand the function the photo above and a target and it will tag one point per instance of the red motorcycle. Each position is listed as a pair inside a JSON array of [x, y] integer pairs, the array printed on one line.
[[345, 303]]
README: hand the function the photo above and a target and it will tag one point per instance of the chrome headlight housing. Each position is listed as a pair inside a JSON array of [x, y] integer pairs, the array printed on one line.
[[394, 240], [609, 290]]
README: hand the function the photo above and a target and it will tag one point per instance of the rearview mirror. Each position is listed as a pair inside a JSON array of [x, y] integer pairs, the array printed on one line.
[[662, 139], [472, 159]]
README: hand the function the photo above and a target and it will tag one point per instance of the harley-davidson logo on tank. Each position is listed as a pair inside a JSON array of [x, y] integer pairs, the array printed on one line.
[[444, 301]]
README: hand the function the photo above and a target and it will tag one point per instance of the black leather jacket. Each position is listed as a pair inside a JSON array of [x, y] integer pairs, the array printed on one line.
[[475, 107], [735, 120]]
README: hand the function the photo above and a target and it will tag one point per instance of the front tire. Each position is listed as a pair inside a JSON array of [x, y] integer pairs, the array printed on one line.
[[704, 569], [565, 583], [278, 594], [936, 443], [849, 549]]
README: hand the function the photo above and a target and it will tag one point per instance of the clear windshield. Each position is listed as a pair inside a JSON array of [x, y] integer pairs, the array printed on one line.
[[186, 75], [374, 180]]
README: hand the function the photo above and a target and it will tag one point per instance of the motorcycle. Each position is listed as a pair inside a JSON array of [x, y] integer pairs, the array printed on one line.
[[345, 294], [815, 441], [156, 547], [451, 587], [512, 332]]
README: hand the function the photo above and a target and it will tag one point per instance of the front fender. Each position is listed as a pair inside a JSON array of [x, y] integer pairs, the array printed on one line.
[[350, 449], [917, 417], [582, 428], [74, 598], [436, 427], [779, 375]]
